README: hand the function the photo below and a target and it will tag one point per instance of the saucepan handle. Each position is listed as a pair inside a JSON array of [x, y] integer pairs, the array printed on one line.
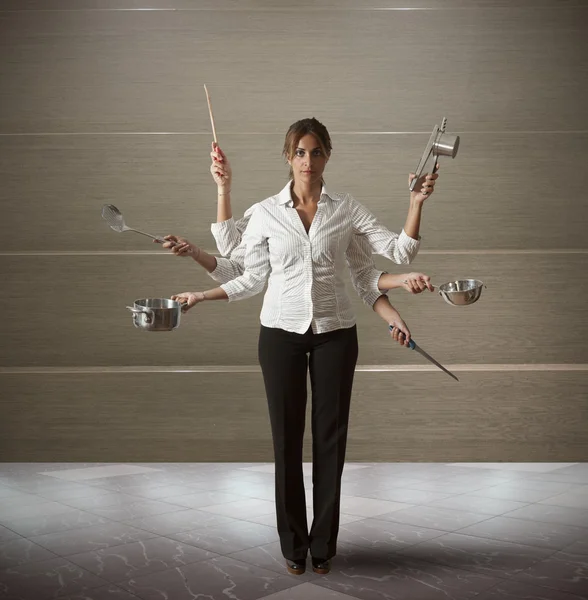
[[134, 309], [147, 311]]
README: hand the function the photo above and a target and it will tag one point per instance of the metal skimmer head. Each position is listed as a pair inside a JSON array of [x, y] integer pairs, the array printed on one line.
[[113, 217]]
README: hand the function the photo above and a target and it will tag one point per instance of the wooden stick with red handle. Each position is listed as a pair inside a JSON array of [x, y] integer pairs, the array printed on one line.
[[211, 117]]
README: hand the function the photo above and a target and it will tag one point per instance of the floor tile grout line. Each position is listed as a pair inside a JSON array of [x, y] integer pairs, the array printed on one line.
[[118, 587], [490, 516], [510, 578], [493, 517], [89, 590], [32, 562], [65, 557], [392, 555], [256, 498], [535, 563], [33, 535], [537, 502], [489, 573], [51, 516], [117, 583], [397, 555], [495, 585], [534, 502], [443, 532], [167, 536], [376, 517], [544, 558], [228, 555], [163, 500]]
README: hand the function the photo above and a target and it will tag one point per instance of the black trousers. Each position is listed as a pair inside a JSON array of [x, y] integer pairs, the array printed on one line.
[[285, 359]]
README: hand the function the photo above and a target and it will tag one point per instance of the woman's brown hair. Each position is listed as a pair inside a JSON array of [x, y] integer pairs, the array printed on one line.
[[301, 128]]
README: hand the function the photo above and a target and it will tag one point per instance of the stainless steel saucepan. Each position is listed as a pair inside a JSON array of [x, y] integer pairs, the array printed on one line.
[[156, 314]]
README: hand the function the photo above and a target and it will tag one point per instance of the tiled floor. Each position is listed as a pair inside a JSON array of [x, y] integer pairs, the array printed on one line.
[[207, 531]]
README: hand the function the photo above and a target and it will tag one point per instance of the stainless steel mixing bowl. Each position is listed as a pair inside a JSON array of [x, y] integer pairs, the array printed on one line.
[[461, 292]]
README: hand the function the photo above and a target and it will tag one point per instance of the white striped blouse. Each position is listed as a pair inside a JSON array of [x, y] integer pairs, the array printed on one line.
[[305, 270]]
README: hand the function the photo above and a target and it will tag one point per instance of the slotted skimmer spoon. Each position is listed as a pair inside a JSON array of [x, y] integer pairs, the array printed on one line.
[[116, 221]]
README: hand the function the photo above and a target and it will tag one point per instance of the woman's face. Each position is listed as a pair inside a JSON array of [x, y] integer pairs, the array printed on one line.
[[308, 161]]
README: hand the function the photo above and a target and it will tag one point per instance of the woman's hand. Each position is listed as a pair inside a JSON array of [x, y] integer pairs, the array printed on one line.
[[400, 332], [221, 169], [415, 283], [188, 299], [180, 246], [424, 187]]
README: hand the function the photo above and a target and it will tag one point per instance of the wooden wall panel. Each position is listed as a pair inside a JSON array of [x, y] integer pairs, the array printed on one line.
[[71, 311], [103, 105], [175, 417], [97, 71], [504, 191]]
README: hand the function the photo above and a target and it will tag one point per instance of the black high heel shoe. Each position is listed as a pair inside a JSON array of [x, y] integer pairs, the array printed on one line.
[[321, 565], [296, 567]]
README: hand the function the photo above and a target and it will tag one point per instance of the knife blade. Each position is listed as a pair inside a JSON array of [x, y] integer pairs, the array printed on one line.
[[430, 358], [414, 346]]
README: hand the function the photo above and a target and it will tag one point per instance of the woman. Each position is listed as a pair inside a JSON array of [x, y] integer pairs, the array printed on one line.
[[301, 240], [228, 232]]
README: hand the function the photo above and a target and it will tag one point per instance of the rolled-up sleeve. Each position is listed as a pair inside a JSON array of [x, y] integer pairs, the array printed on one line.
[[226, 269], [227, 234], [253, 252], [402, 249], [364, 275]]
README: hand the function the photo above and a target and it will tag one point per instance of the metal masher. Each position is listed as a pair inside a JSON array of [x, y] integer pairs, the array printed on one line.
[[116, 221], [439, 144]]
